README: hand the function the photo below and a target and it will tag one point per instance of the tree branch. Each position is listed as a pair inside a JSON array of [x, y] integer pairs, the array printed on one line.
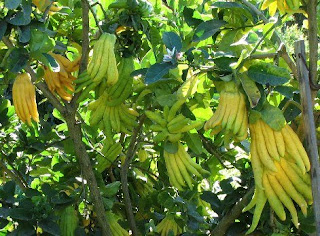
[[313, 41], [85, 36], [76, 135], [210, 148], [95, 18], [86, 167], [124, 176], [232, 215], [309, 128], [22, 184], [85, 46]]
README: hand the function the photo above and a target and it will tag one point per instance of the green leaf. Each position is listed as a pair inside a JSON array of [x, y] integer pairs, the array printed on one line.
[[207, 29], [112, 188], [40, 171], [157, 71], [226, 186], [3, 28], [234, 6], [4, 103], [188, 16], [20, 214], [213, 200], [3, 223], [25, 229], [155, 36], [108, 203], [273, 117], [47, 60], [17, 59], [172, 40], [50, 227], [254, 116], [224, 61], [166, 99], [22, 17], [24, 33], [9, 189], [170, 147], [194, 142], [251, 89], [291, 111], [266, 73], [40, 42], [202, 113], [12, 4], [286, 91]]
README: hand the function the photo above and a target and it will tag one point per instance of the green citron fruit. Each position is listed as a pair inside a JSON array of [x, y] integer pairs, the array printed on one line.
[[143, 155]]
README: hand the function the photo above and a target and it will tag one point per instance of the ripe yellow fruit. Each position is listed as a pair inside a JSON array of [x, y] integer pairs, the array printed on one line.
[[43, 4], [24, 98], [61, 82]]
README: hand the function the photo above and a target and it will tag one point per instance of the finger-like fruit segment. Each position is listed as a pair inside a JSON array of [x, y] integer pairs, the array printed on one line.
[[24, 98]]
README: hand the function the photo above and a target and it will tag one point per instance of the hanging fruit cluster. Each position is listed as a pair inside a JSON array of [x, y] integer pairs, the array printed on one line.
[[167, 225], [231, 116], [102, 69], [280, 165], [24, 98], [61, 82]]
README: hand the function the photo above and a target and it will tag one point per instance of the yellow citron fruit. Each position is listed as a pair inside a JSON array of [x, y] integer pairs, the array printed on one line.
[[43, 4], [24, 98]]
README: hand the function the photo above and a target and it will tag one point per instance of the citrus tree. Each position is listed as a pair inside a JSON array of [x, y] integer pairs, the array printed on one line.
[[137, 117]]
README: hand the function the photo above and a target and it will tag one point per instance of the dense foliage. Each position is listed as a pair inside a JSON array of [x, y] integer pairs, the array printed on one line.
[[150, 102]]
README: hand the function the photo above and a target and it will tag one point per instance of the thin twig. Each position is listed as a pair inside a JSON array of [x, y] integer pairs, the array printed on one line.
[[124, 175], [46, 12], [263, 37], [95, 18], [145, 170], [167, 5], [210, 148], [102, 9], [49, 145], [263, 55], [22, 184], [232, 215], [283, 53], [13, 169]]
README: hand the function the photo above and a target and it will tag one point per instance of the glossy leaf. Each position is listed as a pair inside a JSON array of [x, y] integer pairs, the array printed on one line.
[[17, 59], [207, 29], [22, 17], [12, 4], [266, 73], [273, 117], [157, 71], [40, 42], [194, 142], [3, 28], [172, 40]]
